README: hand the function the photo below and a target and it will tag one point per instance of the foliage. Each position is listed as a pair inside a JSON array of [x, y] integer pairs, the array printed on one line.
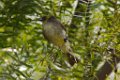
[[93, 28]]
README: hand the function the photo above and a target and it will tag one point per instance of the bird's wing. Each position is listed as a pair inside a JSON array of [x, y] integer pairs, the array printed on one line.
[[59, 23], [63, 27]]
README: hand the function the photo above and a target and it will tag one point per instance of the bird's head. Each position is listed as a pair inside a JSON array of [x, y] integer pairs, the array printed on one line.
[[44, 18]]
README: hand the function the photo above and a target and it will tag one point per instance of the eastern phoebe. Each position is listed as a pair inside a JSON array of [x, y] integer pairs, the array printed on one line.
[[55, 33]]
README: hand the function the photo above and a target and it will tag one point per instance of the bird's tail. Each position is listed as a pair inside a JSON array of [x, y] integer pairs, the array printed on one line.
[[72, 59]]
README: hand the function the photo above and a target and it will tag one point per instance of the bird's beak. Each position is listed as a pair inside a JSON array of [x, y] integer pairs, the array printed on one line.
[[43, 18], [40, 19]]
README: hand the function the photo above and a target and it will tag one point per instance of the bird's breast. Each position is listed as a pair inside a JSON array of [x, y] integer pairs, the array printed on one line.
[[54, 34]]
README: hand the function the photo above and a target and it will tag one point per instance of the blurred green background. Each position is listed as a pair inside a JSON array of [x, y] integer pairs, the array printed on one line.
[[93, 28]]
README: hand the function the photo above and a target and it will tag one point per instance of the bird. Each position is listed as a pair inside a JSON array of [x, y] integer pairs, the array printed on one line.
[[55, 33]]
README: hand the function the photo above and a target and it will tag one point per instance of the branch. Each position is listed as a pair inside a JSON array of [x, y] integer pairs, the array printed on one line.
[[108, 67]]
